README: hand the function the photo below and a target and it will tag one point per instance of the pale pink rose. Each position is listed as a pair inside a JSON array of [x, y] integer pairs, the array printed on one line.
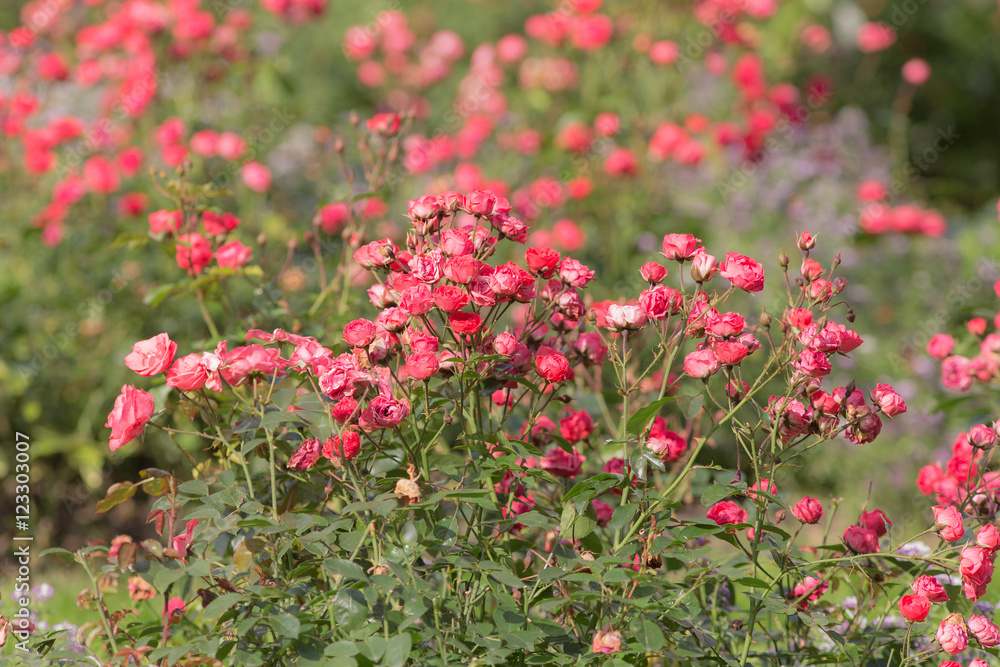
[[951, 634], [132, 410], [701, 363], [976, 567], [152, 356], [984, 630], [949, 522], [886, 398], [988, 537], [606, 642], [256, 176], [625, 318]]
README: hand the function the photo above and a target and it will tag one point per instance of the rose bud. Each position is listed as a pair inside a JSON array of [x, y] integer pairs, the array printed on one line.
[[808, 510], [914, 608]]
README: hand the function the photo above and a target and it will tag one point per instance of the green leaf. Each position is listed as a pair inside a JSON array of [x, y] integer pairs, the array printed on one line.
[[622, 516], [117, 494], [221, 604], [64, 554], [397, 651], [648, 634], [346, 569], [349, 608], [285, 625], [637, 422], [340, 648], [715, 493], [155, 296], [690, 405]]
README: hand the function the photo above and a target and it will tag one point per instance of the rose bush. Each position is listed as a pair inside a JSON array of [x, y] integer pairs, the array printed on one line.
[[533, 440]]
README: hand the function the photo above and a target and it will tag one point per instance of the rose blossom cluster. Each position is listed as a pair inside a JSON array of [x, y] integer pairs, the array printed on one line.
[[961, 482], [960, 372], [862, 537], [195, 250], [121, 54]]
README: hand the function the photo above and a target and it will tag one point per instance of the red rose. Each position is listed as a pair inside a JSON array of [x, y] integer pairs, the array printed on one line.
[[465, 323], [193, 253], [345, 446], [808, 510], [727, 512], [542, 261], [553, 367], [576, 426], [914, 608]]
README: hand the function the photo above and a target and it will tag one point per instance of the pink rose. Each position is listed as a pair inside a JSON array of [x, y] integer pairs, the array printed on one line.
[[984, 630], [305, 456], [464, 323], [193, 253], [988, 537], [680, 247], [877, 521], [165, 222], [861, 540], [256, 176], [462, 269], [574, 273], [949, 523], [187, 373], [505, 345], [886, 398], [359, 333], [376, 254], [132, 410], [152, 356], [385, 412], [701, 363], [930, 588], [914, 608], [951, 634], [976, 567], [743, 272], [660, 301], [606, 642], [233, 255], [808, 510], [940, 346], [422, 365], [668, 446], [653, 273], [561, 463], [727, 512], [956, 373]]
